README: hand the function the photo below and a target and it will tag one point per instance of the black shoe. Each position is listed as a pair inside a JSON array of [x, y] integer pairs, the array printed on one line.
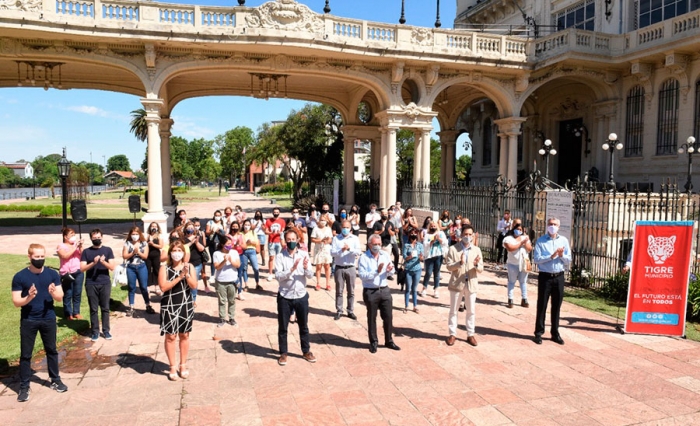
[[510, 303], [462, 308], [390, 278], [58, 386], [150, 310], [338, 315], [558, 339], [538, 340], [373, 347], [352, 316], [23, 395], [392, 345], [232, 322], [222, 323]]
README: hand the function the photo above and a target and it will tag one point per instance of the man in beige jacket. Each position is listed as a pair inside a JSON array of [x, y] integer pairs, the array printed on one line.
[[464, 261]]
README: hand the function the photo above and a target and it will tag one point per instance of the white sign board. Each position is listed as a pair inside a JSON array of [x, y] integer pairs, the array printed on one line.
[[560, 205]]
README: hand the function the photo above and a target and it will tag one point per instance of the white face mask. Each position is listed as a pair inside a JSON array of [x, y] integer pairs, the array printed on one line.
[[247, 227], [135, 237], [322, 223], [72, 239], [295, 215], [552, 229], [467, 241], [217, 218], [177, 255]]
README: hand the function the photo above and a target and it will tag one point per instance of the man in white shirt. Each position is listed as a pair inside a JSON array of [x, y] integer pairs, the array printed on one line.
[[374, 268], [345, 249], [372, 217], [292, 268]]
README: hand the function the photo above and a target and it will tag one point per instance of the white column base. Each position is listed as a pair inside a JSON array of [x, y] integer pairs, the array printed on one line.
[[161, 219]]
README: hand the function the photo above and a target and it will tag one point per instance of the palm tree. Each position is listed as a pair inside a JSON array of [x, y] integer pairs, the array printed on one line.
[[139, 125]]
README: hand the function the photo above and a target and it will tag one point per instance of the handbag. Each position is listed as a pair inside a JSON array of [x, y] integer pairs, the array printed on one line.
[[120, 276], [401, 276], [205, 256], [67, 279]]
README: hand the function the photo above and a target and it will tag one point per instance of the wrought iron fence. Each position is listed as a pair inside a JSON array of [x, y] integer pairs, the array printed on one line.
[[602, 221]]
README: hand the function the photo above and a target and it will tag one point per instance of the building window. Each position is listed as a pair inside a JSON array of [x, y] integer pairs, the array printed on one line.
[[357, 169], [487, 142], [667, 135], [634, 130], [653, 11], [696, 133], [581, 16]]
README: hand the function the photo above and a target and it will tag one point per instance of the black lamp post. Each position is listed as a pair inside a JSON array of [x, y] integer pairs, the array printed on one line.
[[579, 132], [241, 2], [546, 151], [327, 7], [611, 145], [63, 173], [688, 147], [402, 19], [438, 24]]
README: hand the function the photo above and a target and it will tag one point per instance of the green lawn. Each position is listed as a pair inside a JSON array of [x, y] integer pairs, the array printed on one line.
[[591, 301], [10, 315], [282, 200]]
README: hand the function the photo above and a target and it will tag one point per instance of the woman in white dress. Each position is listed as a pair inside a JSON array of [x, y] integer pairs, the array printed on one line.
[[322, 237]]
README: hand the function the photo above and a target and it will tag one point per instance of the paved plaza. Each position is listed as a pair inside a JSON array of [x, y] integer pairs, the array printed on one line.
[[599, 377]]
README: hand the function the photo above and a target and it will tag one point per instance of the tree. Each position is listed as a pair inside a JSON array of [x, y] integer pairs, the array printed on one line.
[[463, 167], [180, 167], [230, 146], [95, 172], [311, 138], [7, 176], [268, 148], [139, 125], [46, 167], [405, 156], [118, 162], [201, 157]]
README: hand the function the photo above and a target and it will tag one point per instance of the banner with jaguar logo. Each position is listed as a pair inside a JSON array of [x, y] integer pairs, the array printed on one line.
[[658, 287]]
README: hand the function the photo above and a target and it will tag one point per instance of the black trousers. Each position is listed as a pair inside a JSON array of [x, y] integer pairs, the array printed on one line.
[[98, 298], [500, 250], [153, 266], [27, 332], [395, 251], [549, 285], [378, 299], [285, 308]]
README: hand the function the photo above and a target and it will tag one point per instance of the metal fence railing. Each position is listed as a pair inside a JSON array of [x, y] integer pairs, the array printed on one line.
[[602, 220]]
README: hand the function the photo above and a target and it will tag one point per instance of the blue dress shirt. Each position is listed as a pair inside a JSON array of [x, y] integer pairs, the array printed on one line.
[[367, 270], [412, 264], [545, 248]]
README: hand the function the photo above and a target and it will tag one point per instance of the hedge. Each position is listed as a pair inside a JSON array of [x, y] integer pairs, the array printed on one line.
[[44, 211]]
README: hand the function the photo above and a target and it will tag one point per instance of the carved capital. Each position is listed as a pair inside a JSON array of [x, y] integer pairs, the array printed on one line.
[[509, 126], [641, 70], [152, 107]]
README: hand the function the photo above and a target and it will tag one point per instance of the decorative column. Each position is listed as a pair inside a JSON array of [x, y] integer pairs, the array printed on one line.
[[165, 125], [425, 168], [448, 153], [375, 159], [349, 169], [503, 158], [383, 167], [391, 167], [513, 157], [155, 177], [509, 131], [417, 157]]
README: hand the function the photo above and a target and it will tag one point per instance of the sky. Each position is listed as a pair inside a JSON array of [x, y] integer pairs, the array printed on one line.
[[94, 125]]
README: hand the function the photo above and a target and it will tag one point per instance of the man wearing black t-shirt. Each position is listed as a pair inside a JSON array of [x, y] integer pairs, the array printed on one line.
[[96, 262], [34, 289]]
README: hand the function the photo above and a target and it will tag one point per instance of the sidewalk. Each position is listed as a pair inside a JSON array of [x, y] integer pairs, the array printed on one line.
[[599, 377]]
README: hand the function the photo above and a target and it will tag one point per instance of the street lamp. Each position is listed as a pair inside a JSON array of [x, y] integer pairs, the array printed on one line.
[[546, 151], [688, 147], [438, 24], [579, 132], [611, 145], [402, 19], [63, 173]]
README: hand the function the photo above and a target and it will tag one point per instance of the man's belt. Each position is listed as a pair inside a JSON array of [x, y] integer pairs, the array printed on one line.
[[344, 266], [551, 275]]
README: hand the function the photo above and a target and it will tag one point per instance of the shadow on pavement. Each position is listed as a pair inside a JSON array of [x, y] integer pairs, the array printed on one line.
[[253, 312], [142, 364]]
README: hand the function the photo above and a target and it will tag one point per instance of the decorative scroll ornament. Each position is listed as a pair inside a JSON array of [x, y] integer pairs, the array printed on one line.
[[412, 111], [285, 15], [422, 37], [23, 5]]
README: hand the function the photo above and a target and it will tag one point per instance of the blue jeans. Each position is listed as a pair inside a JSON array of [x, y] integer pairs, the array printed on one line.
[[137, 272], [432, 267], [72, 294], [252, 258], [514, 274], [198, 275], [412, 280], [242, 272]]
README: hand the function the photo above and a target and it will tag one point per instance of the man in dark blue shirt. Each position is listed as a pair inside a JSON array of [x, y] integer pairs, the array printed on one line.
[[34, 289], [96, 261]]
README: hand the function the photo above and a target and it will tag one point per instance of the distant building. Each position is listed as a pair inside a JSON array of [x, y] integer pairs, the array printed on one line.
[[361, 153], [23, 170], [115, 176]]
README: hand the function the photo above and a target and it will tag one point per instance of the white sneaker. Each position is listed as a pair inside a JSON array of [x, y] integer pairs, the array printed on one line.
[[212, 280], [239, 296], [436, 295], [422, 293], [269, 277]]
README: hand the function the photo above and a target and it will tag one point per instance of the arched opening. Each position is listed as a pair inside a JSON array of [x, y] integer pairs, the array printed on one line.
[[410, 92]]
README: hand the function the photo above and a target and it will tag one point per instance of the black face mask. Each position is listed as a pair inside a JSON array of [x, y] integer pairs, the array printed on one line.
[[173, 239], [324, 211], [385, 217], [234, 230], [37, 263], [258, 217], [275, 215], [413, 238], [97, 242], [154, 230]]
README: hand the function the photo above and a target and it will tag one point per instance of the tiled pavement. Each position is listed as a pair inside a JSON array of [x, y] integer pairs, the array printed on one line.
[[598, 378]]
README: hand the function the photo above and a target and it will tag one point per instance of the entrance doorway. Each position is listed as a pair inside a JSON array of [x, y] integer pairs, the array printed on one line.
[[569, 151]]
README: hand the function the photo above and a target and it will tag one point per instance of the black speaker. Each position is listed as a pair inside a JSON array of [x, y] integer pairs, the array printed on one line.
[[134, 204], [78, 211]]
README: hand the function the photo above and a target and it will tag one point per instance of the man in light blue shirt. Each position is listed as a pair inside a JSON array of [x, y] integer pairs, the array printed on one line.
[[374, 268], [345, 249], [552, 257]]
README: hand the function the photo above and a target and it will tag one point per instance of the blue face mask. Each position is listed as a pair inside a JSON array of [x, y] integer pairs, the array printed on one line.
[[343, 215], [517, 232], [346, 231]]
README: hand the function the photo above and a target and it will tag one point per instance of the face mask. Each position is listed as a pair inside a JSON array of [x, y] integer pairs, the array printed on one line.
[[413, 238], [228, 247], [346, 232], [197, 228], [173, 239], [177, 255], [353, 211], [37, 263], [312, 208], [234, 230], [517, 232], [96, 241], [183, 218], [374, 210], [189, 231], [247, 227], [291, 245], [467, 241], [458, 222], [324, 211], [375, 249], [135, 237], [275, 215], [433, 230], [72, 239], [385, 217], [154, 230], [343, 215], [552, 229], [322, 223], [217, 218]]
